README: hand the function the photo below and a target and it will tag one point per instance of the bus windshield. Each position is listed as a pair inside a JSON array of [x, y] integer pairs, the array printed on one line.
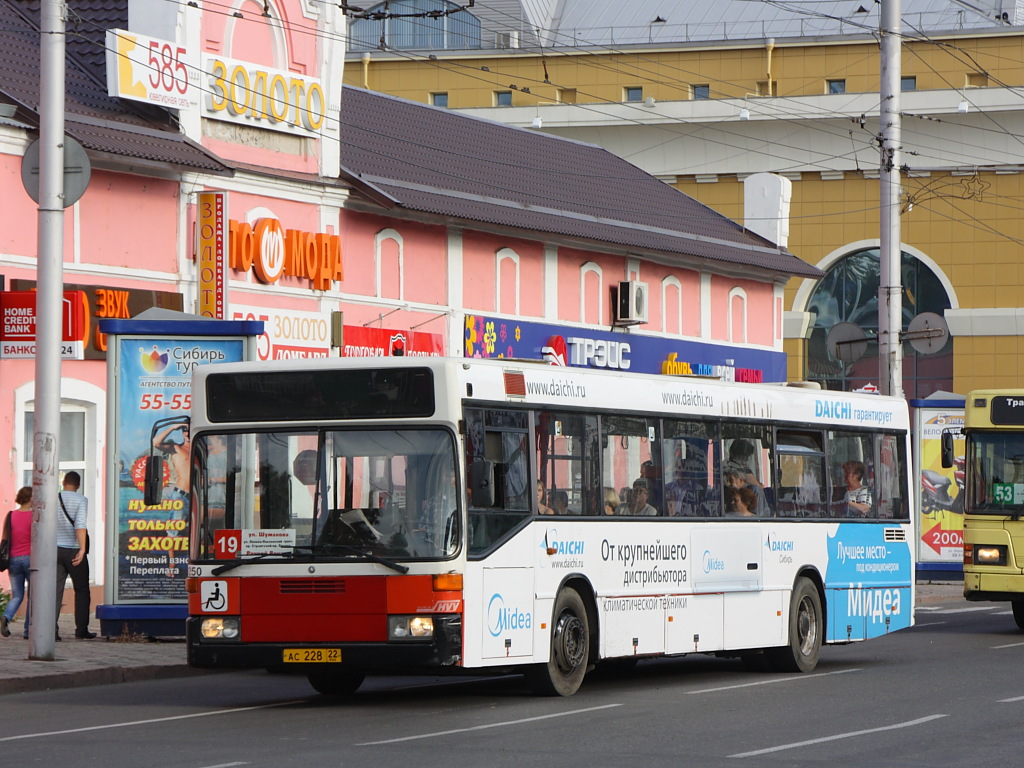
[[996, 484], [340, 492]]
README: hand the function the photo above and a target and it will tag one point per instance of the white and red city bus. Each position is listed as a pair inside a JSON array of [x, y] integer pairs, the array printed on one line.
[[432, 515]]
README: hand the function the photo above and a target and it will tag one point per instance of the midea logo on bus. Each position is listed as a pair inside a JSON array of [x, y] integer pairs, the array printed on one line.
[[501, 619], [712, 563]]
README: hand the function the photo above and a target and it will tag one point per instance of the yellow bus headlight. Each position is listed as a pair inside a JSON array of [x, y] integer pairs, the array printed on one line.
[[220, 628], [989, 554], [403, 628]]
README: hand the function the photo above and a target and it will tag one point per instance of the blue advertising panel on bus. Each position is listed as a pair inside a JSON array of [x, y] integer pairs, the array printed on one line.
[[865, 568]]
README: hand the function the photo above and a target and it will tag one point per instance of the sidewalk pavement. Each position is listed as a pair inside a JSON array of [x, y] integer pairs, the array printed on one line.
[[88, 662], [130, 659]]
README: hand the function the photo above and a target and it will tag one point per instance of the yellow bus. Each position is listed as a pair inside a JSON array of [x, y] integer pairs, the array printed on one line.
[[994, 497]]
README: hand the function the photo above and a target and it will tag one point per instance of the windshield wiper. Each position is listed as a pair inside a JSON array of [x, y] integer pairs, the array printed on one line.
[[328, 549], [245, 561]]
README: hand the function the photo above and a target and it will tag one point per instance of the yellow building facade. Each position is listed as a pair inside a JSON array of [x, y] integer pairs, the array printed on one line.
[[705, 116]]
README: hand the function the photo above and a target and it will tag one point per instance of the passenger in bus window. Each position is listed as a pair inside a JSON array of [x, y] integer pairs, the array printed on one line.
[[741, 461], [858, 495], [542, 507], [740, 500], [682, 494], [611, 501], [637, 505], [560, 499]]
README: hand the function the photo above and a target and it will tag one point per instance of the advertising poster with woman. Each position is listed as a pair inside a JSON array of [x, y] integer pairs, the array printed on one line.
[[941, 512], [154, 397]]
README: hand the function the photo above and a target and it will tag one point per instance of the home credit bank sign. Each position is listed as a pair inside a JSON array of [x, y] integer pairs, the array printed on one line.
[[18, 325]]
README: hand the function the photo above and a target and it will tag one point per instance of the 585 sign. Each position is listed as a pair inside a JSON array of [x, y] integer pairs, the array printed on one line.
[[156, 401], [154, 71]]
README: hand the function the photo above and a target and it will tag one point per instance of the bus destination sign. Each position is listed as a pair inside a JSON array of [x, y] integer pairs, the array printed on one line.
[[1007, 410]]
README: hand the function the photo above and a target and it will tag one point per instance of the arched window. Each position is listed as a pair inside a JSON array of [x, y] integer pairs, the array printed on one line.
[[672, 305], [738, 316], [389, 257], [416, 33], [591, 305], [849, 293], [506, 289]]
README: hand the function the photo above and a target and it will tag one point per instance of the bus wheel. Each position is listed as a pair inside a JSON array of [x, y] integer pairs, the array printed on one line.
[[335, 683], [563, 674], [1018, 612], [805, 630]]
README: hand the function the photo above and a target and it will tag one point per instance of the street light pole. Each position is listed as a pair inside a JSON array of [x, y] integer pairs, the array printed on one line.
[[49, 296], [890, 288]]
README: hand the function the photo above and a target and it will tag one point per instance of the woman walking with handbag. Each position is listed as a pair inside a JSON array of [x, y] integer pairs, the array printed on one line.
[[18, 531]]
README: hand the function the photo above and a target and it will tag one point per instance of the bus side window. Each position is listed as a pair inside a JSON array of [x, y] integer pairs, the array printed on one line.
[[567, 462], [692, 466], [498, 468], [803, 482]]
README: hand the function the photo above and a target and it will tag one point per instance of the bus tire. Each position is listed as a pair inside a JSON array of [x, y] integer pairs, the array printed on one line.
[[335, 683], [563, 673], [1018, 612], [805, 631]]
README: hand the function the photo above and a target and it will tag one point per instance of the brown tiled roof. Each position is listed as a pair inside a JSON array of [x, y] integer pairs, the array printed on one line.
[[439, 162], [100, 123]]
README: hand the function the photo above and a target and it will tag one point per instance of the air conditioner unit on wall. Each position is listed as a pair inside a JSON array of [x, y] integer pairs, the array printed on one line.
[[631, 308]]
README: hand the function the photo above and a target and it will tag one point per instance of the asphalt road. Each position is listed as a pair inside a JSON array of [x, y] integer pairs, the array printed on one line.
[[949, 692]]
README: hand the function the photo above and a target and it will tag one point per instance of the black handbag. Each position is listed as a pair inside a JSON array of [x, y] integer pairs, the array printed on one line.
[[71, 520], [5, 545]]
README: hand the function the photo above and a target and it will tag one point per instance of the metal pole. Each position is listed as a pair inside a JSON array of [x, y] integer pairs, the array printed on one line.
[[890, 289], [50, 281]]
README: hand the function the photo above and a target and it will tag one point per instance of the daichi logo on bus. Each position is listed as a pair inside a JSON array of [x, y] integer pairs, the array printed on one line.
[[833, 409]]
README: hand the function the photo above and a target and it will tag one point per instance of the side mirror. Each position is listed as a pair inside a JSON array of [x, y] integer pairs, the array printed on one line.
[[947, 450], [481, 483], [153, 484]]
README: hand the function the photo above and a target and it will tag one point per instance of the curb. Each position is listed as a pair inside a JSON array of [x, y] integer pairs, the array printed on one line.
[[99, 676]]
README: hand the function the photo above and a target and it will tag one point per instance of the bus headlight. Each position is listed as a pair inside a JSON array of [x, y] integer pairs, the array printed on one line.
[[220, 628], [401, 628], [989, 554]]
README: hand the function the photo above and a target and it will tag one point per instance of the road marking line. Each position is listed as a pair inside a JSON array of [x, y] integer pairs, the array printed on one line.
[[484, 727], [786, 679], [1009, 645], [838, 736], [224, 765], [930, 624], [971, 609], [927, 608], [153, 720], [1010, 701]]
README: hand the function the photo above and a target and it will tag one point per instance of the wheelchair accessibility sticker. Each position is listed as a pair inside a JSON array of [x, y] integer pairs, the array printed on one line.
[[213, 596]]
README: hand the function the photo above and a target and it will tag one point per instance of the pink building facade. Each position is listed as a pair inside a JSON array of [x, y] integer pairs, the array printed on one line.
[[410, 278]]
